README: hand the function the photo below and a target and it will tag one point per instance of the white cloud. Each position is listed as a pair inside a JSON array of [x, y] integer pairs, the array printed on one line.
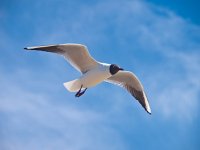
[[38, 117], [175, 39]]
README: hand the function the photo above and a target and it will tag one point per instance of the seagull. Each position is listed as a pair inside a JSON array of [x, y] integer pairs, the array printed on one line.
[[94, 72]]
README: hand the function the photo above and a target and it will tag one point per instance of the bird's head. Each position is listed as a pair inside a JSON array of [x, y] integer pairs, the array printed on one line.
[[114, 69]]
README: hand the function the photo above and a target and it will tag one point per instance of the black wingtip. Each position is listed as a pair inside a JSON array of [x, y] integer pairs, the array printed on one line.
[[148, 112], [26, 48]]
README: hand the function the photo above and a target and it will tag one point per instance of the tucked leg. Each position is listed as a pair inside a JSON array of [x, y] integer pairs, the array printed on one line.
[[79, 93]]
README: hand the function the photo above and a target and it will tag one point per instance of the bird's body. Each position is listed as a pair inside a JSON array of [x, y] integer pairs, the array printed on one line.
[[90, 78], [94, 72], [95, 76]]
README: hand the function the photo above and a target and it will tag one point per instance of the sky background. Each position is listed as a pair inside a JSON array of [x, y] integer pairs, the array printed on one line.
[[158, 40]]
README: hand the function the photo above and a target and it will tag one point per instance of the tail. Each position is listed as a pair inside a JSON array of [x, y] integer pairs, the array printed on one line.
[[72, 86]]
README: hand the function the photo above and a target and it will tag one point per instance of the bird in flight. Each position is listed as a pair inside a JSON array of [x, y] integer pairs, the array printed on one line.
[[94, 72]]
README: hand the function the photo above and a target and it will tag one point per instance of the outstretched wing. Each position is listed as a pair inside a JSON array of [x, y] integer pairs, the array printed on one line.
[[130, 82], [76, 54]]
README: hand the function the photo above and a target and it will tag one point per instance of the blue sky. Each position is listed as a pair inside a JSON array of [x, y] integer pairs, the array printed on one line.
[[157, 40]]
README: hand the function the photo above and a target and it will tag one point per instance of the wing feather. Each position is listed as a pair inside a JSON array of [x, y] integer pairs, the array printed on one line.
[[76, 54], [131, 83]]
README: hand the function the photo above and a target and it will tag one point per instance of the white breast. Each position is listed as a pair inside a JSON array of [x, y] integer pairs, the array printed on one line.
[[96, 75]]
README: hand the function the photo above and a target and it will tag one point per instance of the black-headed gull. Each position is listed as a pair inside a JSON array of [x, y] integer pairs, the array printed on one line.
[[94, 72]]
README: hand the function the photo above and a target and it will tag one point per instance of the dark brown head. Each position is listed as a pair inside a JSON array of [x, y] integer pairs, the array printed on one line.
[[114, 69]]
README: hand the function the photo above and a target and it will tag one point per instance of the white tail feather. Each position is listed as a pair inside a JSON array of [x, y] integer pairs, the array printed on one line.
[[72, 86]]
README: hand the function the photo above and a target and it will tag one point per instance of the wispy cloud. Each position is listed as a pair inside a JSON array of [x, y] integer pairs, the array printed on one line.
[[168, 36], [35, 114]]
